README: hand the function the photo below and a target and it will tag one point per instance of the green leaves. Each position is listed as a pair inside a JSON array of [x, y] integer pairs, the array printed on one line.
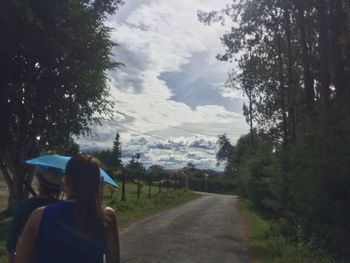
[[61, 63], [292, 66], [53, 82]]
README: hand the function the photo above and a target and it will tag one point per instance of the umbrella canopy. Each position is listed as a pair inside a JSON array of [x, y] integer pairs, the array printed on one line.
[[59, 162]]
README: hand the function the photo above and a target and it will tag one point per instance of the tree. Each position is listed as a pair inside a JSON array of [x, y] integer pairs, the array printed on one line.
[[294, 68], [188, 170], [54, 58], [248, 80], [105, 156], [322, 18], [225, 149], [111, 158], [135, 167], [149, 178], [68, 148], [116, 160], [189, 167], [157, 172]]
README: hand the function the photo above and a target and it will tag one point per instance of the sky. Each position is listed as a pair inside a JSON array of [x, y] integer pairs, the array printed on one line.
[[171, 90]]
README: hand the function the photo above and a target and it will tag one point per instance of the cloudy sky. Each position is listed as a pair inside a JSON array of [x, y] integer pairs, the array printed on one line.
[[171, 88]]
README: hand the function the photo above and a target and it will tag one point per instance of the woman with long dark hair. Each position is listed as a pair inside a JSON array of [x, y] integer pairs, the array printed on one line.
[[78, 229]]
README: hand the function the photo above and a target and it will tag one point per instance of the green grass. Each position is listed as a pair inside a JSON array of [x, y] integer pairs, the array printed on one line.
[[127, 212], [134, 209], [266, 245]]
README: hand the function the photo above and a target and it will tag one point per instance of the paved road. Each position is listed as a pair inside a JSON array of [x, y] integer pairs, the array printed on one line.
[[205, 230]]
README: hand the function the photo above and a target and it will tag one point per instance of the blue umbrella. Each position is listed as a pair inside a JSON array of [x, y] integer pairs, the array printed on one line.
[[59, 162]]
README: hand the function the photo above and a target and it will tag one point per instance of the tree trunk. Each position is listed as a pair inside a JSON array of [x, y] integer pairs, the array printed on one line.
[[323, 52], [14, 175], [336, 25], [9, 183], [123, 188], [149, 186], [17, 176], [250, 116], [138, 186], [305, 58], [282, 89], [291, 87]]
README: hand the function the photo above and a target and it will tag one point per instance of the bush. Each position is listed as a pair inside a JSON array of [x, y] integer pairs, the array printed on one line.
[[268, 244], [219, 184]]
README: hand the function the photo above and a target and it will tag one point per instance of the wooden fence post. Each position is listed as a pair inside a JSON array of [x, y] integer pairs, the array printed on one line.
[[149, 186], [123, 187], [138, 186]]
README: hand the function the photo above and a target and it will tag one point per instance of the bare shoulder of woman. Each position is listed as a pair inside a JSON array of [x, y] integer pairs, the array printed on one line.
[[25, 253], [33, 223]]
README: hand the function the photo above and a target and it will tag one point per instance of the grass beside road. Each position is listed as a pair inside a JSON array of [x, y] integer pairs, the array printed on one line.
[[134, 209], [267, 245], [127, 212]]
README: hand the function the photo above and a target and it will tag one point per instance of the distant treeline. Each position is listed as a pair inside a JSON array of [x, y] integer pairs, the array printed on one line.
[[217, 184]]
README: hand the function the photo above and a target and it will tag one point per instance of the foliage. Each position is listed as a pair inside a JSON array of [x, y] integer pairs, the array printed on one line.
[[225, 149], [54, 58], [156, 172], [104, 156], [215, 184], [135, 168], [111, 158], [189, 167], [267, 244], [293, 66], [116, 160]]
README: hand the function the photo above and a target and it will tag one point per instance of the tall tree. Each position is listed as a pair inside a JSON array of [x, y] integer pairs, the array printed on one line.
[[305, 56], [294, 55], [54, 57], [322, 17], [117, 152], [135, 167], [225, 149], [337, 23]]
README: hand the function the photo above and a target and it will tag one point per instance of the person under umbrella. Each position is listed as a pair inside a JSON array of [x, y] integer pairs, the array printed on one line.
[[50, 185], [78, 229], [59, 163]]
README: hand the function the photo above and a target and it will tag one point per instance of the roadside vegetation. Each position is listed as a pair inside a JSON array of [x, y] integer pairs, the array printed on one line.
[[291, 61], [133, 208], [266, 244]]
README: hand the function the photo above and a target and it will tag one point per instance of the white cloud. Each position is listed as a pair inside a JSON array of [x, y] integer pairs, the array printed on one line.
[[156, 37], [230, 93]]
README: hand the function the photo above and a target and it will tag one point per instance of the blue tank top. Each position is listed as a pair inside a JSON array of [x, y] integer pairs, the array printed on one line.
[[57, 241]]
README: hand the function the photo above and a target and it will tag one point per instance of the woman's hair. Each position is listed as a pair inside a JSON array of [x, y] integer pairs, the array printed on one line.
[[83, 177]]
